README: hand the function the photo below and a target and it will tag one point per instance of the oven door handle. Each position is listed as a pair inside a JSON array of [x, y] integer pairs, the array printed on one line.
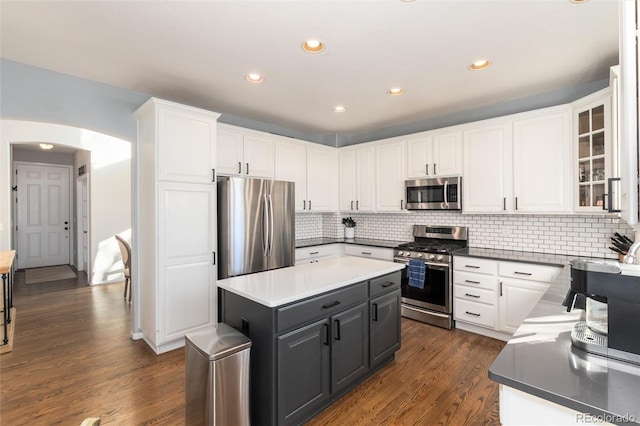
[[443, 266]]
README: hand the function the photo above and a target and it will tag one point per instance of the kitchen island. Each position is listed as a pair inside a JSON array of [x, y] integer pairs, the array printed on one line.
[[317, 331]]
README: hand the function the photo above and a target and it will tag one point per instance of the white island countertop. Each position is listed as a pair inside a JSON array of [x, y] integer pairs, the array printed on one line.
[[285, 285]]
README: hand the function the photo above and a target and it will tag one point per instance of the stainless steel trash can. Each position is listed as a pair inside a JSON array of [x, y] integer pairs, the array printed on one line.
[[217, 377]]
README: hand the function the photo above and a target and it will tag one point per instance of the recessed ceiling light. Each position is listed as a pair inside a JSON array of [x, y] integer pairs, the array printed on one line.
[[394, 91], [313, 46], [254, 78], [479, 65], [46, 146], [339, 108]]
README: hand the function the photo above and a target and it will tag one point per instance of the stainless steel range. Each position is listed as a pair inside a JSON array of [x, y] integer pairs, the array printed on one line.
[[427, 279]]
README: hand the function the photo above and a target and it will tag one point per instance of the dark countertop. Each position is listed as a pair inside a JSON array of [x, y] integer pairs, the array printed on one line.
[[540, 360], [310, 242], [516, 256]]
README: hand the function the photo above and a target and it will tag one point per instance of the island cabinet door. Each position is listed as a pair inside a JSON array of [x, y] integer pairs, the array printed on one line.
[[349, 347], [303, 371], [385, 327]]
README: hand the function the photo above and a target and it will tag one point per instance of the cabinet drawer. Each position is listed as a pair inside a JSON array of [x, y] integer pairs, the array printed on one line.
[[384, 284], [488, 282], [528, 271], [321, 306], [315, 252], [366, 251], [474, 294], [473, 264], [473, 312]]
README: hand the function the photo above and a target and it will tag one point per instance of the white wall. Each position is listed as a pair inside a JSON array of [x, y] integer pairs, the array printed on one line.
[[573, 235], [110, 187]]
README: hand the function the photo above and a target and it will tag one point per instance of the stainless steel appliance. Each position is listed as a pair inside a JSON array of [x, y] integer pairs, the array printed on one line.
[[443, 193], [610, 294], [432, 300], [256, 225]]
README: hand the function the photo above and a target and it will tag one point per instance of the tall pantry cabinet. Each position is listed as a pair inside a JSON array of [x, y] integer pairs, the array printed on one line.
[[176, 221]]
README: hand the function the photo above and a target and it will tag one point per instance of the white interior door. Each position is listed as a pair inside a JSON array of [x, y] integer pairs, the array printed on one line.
[[43, 215]]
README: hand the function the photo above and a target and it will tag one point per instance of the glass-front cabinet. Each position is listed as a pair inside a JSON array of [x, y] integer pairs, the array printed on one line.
[[592, 126]]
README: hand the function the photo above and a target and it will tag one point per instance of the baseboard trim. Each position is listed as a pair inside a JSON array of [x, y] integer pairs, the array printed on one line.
[[484, 331]]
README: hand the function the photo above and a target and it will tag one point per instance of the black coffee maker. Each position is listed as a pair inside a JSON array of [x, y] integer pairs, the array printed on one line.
[[610, 294]]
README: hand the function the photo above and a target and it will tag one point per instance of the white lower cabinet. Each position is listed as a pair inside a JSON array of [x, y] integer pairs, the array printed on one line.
[[317, 253], [379, 253], [493, 297]]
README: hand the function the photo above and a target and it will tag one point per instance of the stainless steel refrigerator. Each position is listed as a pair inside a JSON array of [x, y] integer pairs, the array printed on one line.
[[256, 225]]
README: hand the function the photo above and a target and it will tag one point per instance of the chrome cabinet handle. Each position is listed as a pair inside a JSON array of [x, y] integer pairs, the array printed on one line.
[[247, 168], [213, 175], [304, 204], [357, 204], [434, 169], [367, 253], [309, 205], [239, 167], [523, 273], [351, 204], [472, 313], [313, 252], [472, 282], [427, 169], [214, 257], [401, 205], [500, 288], [504, 203], [516, 203], [472, 266], [472, 295]]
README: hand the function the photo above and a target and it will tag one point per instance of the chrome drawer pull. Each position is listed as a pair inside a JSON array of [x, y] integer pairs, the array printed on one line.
[[472, 266], [472, 282], [472, 295], [367, 253], [314, 252], [472, 313], [523, 273]]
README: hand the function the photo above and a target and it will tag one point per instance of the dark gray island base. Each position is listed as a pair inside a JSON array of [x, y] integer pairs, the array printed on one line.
[[308, 353]]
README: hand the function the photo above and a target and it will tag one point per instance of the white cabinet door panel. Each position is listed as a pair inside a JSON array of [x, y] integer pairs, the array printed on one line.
[[322, 194], [291, 165], [186, 150], [230, 151], [447, 154], [258, 156], [390, 163], [418, 156], [517, 299], [347, 165], [365, 179], [542, 163], [486, 172]]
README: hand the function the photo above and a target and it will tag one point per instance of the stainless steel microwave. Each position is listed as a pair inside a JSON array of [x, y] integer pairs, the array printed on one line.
[[444, 193]]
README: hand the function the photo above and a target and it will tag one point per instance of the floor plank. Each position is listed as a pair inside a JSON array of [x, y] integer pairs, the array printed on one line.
[[73, 359]]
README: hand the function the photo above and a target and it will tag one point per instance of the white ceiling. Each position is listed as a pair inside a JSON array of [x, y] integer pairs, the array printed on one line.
[[198, 52]]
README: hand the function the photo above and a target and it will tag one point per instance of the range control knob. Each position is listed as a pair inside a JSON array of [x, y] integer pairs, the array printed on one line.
[[419, 255], [439, 257], [400, 253], [432, 256]]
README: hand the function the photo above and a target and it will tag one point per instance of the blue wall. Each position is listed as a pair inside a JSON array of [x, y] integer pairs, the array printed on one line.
[[36, 94]]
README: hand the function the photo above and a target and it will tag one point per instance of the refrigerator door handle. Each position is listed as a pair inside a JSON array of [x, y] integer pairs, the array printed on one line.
[[271, 224], [265, 227]]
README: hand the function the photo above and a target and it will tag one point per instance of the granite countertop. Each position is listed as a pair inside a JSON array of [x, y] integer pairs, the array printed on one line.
[[310, 242], [540, 360], [285, 285]]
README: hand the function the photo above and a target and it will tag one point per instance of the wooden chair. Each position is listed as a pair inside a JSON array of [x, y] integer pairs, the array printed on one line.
[[125, 250]]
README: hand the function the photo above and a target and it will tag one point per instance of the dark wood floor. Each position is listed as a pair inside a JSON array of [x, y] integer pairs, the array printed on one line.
[[73, 359]]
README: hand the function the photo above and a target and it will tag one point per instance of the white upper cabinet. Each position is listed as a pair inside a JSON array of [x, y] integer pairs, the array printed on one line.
[[486, 182], [519, 164], [431, 154], [244, 152], [357, 178], [322, 178], [313, 169], [390, 167], [291, 165], [593, 153], [542, 163], [186, 143]]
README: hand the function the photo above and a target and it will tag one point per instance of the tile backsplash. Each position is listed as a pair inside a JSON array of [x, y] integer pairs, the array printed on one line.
[[575, 235]]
